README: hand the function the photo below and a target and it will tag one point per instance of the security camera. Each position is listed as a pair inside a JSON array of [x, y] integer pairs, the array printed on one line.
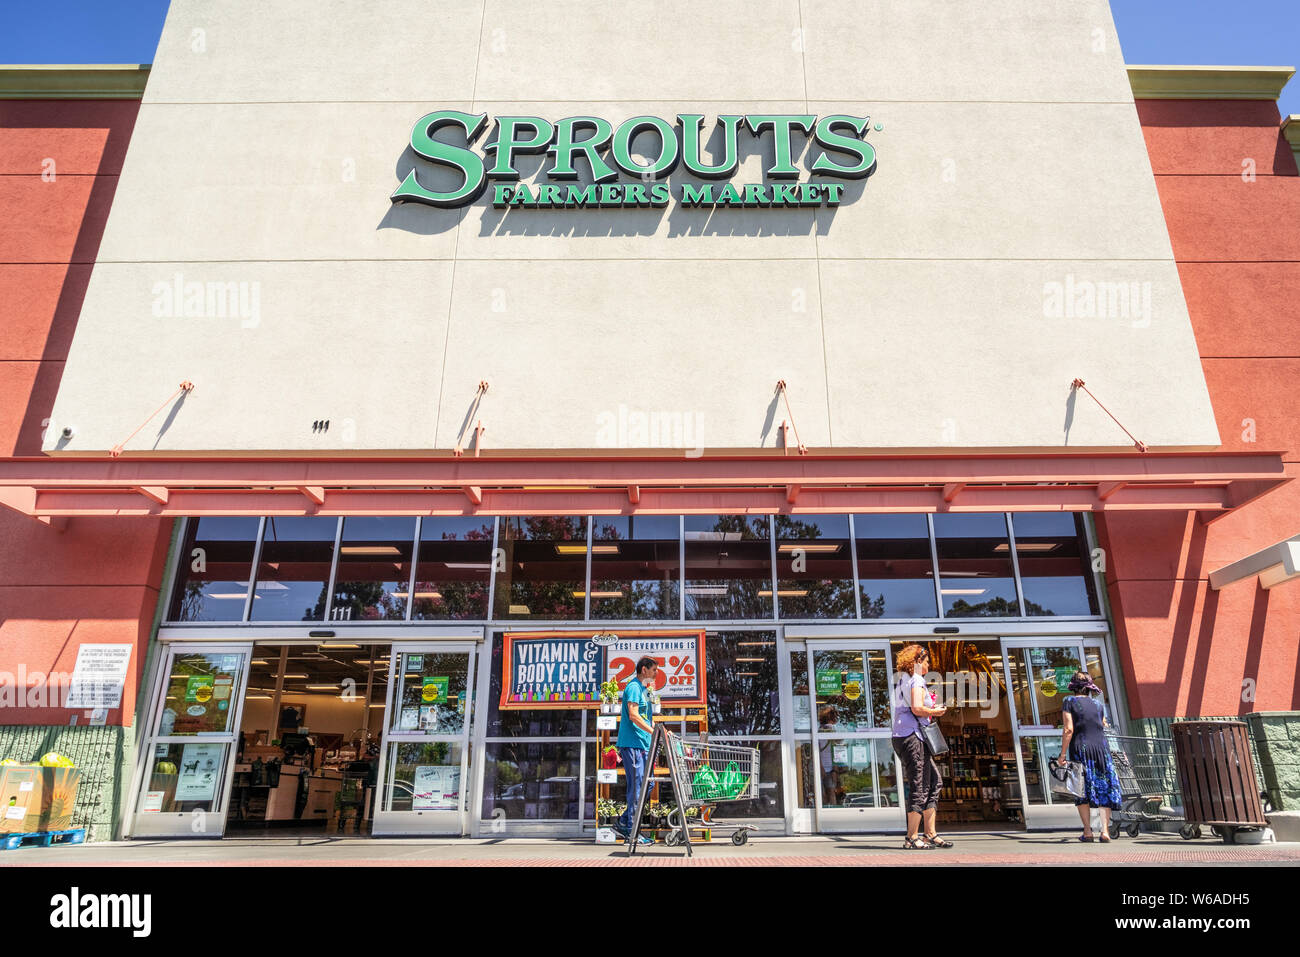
[[69, 431]]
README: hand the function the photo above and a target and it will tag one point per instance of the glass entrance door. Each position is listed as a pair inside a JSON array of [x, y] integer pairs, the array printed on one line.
[[190, 749], [424, 769], [850, 756], [1038, 673]]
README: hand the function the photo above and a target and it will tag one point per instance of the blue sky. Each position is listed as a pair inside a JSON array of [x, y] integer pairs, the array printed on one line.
[[1256, 33]]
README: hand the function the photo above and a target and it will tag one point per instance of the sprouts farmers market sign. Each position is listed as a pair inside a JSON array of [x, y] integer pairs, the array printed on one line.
[[607, 152]]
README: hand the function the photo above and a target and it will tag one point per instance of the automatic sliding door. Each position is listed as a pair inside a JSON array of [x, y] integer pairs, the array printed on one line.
[[851, 759], [426, 745], [1038, 673], [190, 747]]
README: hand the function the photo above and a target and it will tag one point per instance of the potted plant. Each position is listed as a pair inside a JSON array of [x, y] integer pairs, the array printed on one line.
[[609, 695], [606, 812]]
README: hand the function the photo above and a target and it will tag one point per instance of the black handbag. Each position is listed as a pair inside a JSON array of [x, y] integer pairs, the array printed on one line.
[[1066, 778], [934, 740]]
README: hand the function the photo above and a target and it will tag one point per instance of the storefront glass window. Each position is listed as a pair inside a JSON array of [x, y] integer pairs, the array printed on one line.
[[743, 689], [895, 570], [545, 568], [294, 570], [852, 691], [1035, 753], [976, 579], [1092, 664], [202, 692], [1055, 571], [1040, 678], [525, 723], [799, 691], [432, 692], [770, 801], [373, 578], [635, 566], [185, 777], [212, 574], [814, 567], [728, 567], [424, 776], [855, 772], [454, 569], [531, 781]]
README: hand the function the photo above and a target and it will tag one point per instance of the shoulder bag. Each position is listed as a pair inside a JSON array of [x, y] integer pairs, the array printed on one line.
[[935, 743], [934, 740]]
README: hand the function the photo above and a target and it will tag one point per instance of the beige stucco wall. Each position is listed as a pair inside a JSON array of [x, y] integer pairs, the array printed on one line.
[[915, 315]]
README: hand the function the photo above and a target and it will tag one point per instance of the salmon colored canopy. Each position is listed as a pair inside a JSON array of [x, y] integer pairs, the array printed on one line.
[[1210, 483]]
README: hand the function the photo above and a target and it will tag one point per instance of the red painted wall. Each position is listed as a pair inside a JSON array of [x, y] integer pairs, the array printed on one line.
[[97, 580], [1188, 650]]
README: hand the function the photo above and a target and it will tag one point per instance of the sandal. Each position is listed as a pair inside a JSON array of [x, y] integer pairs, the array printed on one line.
[[936, 841], [917, 843], [1086, 838]]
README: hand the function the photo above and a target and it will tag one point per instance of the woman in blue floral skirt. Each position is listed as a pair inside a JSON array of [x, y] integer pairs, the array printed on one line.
[[1084, 740]]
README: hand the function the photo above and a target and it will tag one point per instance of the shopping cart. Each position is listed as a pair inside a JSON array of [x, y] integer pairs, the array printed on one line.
[[703, 773], [1148, 786]]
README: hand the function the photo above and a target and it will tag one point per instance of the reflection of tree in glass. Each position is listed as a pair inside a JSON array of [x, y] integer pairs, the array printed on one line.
[[827, 597], [742, 703], [456, 600], [994, 608], [741, 600], [192, 602], [873, 607], [318, 612], [646, 597], [543, 598], [368, 601]]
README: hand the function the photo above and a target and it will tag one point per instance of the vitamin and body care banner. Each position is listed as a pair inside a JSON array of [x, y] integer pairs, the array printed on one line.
[[565, 669]]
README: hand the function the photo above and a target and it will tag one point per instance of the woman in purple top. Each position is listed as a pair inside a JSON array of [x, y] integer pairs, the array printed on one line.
[[914, 707], [1084, 740]]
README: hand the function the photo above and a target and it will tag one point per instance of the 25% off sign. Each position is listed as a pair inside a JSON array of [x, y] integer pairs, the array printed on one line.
[[680, 679]]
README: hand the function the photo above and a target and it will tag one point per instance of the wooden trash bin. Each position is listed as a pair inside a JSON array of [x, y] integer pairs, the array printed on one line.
[[1217, 774]]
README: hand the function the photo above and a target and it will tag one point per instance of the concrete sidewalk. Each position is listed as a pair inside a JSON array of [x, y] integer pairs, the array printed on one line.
[[1016, 848]]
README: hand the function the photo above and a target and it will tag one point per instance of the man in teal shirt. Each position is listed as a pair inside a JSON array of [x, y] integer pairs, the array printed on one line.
[[635, 728]]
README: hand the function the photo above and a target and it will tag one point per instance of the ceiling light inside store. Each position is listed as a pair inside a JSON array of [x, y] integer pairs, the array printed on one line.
[[807, 547], [964, 591], [582, 549], [369, 550], [1029, 547]]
